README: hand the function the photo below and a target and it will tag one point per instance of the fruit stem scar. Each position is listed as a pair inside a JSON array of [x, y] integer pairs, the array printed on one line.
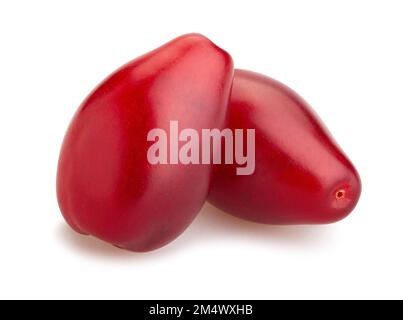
[[340, 194]]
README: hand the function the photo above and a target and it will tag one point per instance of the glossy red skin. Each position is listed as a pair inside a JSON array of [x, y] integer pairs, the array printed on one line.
[[105, 185], [299, 167]]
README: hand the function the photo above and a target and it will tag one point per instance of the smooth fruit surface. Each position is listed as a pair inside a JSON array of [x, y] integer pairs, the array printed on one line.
[[301, 177], [105, 185]]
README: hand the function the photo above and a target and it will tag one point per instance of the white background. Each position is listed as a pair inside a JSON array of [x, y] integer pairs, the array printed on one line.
[[344, 57]]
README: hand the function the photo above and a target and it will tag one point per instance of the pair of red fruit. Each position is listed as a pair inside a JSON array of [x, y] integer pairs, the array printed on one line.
[[107, 188]]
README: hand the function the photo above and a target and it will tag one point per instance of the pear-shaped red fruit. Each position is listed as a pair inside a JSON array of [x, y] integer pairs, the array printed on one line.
[[106, 185], [301, 175]]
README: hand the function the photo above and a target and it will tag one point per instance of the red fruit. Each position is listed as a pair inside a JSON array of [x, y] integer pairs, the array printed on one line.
[[105, 185], [301, 176]]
